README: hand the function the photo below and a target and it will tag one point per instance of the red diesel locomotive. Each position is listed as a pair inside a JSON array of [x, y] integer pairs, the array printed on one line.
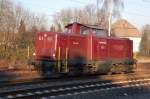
[[83, 49]]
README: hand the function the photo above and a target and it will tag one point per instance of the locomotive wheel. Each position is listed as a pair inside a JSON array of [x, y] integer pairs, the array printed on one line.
[[47, 70], [76, 67], [75, 71]]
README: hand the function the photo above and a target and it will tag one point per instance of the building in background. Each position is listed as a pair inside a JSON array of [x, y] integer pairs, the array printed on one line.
[[123, 29]]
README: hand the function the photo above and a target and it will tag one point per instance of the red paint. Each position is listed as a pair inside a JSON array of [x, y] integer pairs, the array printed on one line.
[[45, 44], [88, 47]]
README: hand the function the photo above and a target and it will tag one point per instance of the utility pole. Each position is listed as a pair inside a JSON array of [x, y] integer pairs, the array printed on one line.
[[97, 8], [109, 24], [110, 17], [110, 12]]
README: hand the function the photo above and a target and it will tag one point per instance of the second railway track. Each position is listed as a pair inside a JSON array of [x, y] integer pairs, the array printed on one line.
[[69, 88]]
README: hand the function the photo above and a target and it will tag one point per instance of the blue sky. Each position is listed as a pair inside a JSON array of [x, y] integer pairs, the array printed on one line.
[[136, 12]]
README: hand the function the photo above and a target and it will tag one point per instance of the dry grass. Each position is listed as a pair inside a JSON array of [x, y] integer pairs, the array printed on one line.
[[143, 59], [16, 70]]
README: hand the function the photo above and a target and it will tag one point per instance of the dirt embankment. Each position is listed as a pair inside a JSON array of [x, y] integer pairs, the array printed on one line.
[[16, 70], [143, 64], [143, 60]]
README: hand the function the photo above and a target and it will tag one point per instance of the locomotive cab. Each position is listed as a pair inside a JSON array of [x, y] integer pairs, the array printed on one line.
[[80, 29]]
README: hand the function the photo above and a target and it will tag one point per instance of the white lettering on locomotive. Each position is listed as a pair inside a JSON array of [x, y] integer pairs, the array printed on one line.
[[102, 42], [75, 43]]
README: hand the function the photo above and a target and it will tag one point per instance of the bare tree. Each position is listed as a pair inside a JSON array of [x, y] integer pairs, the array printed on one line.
[[6, 19], [52, 28], [144, 45], [87, 15], [111, 8], [17, 25], [63, 18], [100, 15]]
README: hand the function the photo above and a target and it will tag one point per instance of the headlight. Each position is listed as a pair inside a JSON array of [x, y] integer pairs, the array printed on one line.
[[53, 55], [34, 54]]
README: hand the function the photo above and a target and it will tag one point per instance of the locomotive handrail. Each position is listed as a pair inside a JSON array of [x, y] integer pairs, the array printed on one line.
[[58, 62], [66, 65]]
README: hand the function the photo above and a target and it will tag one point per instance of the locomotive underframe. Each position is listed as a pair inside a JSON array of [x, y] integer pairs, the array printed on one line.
[[51, 68]]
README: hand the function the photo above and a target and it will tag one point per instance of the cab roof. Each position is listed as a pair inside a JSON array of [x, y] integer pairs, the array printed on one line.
[[85, 25]]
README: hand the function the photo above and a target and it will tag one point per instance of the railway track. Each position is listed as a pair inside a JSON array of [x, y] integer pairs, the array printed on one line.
[[23, 81], [38, 81], [74, 87]]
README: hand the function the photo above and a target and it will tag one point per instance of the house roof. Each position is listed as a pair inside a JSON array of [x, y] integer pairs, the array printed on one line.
[[122, 28]]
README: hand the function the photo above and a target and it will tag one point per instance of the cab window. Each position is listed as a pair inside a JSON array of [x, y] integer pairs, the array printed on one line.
[[84, 30], [97, 32], [101, 33]]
